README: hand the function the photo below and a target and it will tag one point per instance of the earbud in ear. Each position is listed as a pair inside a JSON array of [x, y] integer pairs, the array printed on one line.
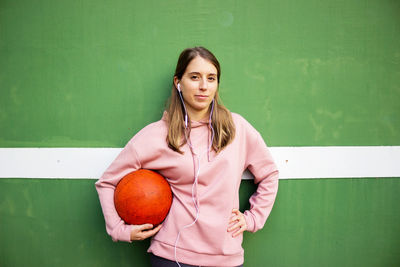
[[179, 87]]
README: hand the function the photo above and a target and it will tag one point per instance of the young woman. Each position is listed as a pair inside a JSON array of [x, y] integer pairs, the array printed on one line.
[[202, 150]]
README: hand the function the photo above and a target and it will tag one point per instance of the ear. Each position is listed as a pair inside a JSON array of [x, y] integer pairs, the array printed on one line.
[[176, 81]]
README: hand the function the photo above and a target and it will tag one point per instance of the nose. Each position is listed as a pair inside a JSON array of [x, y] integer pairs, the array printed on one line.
[[203, 84]]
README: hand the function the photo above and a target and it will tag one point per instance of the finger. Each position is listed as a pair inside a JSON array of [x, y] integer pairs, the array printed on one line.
[[234, 227], [239, 231], [152, 232], [236, 224], [235, 211], [236, 216], [232, 224], [144, 227], [156, 229], [234, 219]]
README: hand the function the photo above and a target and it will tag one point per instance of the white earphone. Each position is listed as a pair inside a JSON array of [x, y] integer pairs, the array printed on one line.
[[184, 106]]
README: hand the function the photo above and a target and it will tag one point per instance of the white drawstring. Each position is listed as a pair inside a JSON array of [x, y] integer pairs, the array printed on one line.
[[196, 205], [212, 132]]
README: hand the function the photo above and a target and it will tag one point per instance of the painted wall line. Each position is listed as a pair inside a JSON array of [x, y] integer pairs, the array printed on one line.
[[293, 162]]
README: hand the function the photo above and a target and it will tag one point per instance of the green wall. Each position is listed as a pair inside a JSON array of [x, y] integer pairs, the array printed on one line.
[[315, 222], [304, 73]]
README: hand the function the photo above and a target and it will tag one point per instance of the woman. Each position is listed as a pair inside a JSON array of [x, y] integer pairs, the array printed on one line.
[[202, 150]]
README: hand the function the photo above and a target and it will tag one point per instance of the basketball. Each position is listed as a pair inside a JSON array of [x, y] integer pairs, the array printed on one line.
[[143, 196]]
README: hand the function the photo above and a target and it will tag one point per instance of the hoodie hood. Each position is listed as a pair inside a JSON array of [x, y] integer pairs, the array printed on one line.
[[196, 125], [193, 124]]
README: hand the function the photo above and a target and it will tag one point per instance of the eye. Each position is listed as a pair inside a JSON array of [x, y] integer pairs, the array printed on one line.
[[211, 78], [194, 77]]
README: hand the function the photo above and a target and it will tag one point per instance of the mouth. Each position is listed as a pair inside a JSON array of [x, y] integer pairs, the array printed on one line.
[[201, 96]]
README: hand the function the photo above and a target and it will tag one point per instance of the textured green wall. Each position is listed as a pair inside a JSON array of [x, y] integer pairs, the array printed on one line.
[[304, 73], [323, 222], [92, 73]]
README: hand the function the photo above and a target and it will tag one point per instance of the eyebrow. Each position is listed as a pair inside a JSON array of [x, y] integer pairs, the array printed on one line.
[[195, 72]]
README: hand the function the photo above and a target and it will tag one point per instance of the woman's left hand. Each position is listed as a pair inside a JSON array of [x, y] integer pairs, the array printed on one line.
[[237, 223]]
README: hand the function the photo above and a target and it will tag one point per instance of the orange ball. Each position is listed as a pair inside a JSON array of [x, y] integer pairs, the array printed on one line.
[[143, 196]]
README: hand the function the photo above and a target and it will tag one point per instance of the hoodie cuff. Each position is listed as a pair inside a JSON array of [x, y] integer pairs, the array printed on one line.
[[122, 233], [249, 221]]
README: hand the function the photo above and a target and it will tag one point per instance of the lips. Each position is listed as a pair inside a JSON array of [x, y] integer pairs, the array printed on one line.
[[201, 96]]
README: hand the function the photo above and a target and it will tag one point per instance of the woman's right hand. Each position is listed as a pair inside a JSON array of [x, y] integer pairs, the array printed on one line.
[[143, 231]]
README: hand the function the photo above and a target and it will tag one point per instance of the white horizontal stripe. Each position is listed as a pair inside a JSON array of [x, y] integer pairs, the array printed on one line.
[[293, 162]]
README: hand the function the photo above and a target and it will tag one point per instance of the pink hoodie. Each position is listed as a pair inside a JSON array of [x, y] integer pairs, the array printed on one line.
[[207, 242]]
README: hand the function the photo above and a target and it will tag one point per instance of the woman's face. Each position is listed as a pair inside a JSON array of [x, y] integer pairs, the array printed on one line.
[[198, 84]]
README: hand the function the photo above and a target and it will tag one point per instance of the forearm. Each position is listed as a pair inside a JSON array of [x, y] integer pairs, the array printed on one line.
[[261, 202], [115, 226]]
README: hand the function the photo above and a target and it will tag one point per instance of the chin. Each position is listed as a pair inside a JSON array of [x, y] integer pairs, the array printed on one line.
[[202, 107]]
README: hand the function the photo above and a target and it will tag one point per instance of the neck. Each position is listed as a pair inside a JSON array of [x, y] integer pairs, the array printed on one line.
[[198, 115]]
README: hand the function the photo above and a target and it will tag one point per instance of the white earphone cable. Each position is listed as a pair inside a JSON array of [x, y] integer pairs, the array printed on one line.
[[195, 198]]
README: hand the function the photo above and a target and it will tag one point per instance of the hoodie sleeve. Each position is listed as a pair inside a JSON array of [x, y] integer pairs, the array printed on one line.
[[266, 174], [127, 161]]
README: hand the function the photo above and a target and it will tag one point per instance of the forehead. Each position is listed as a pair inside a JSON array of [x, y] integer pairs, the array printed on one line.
[[201, 65]]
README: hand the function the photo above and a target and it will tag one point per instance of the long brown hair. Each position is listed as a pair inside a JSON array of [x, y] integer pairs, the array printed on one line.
[[221, 121]]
